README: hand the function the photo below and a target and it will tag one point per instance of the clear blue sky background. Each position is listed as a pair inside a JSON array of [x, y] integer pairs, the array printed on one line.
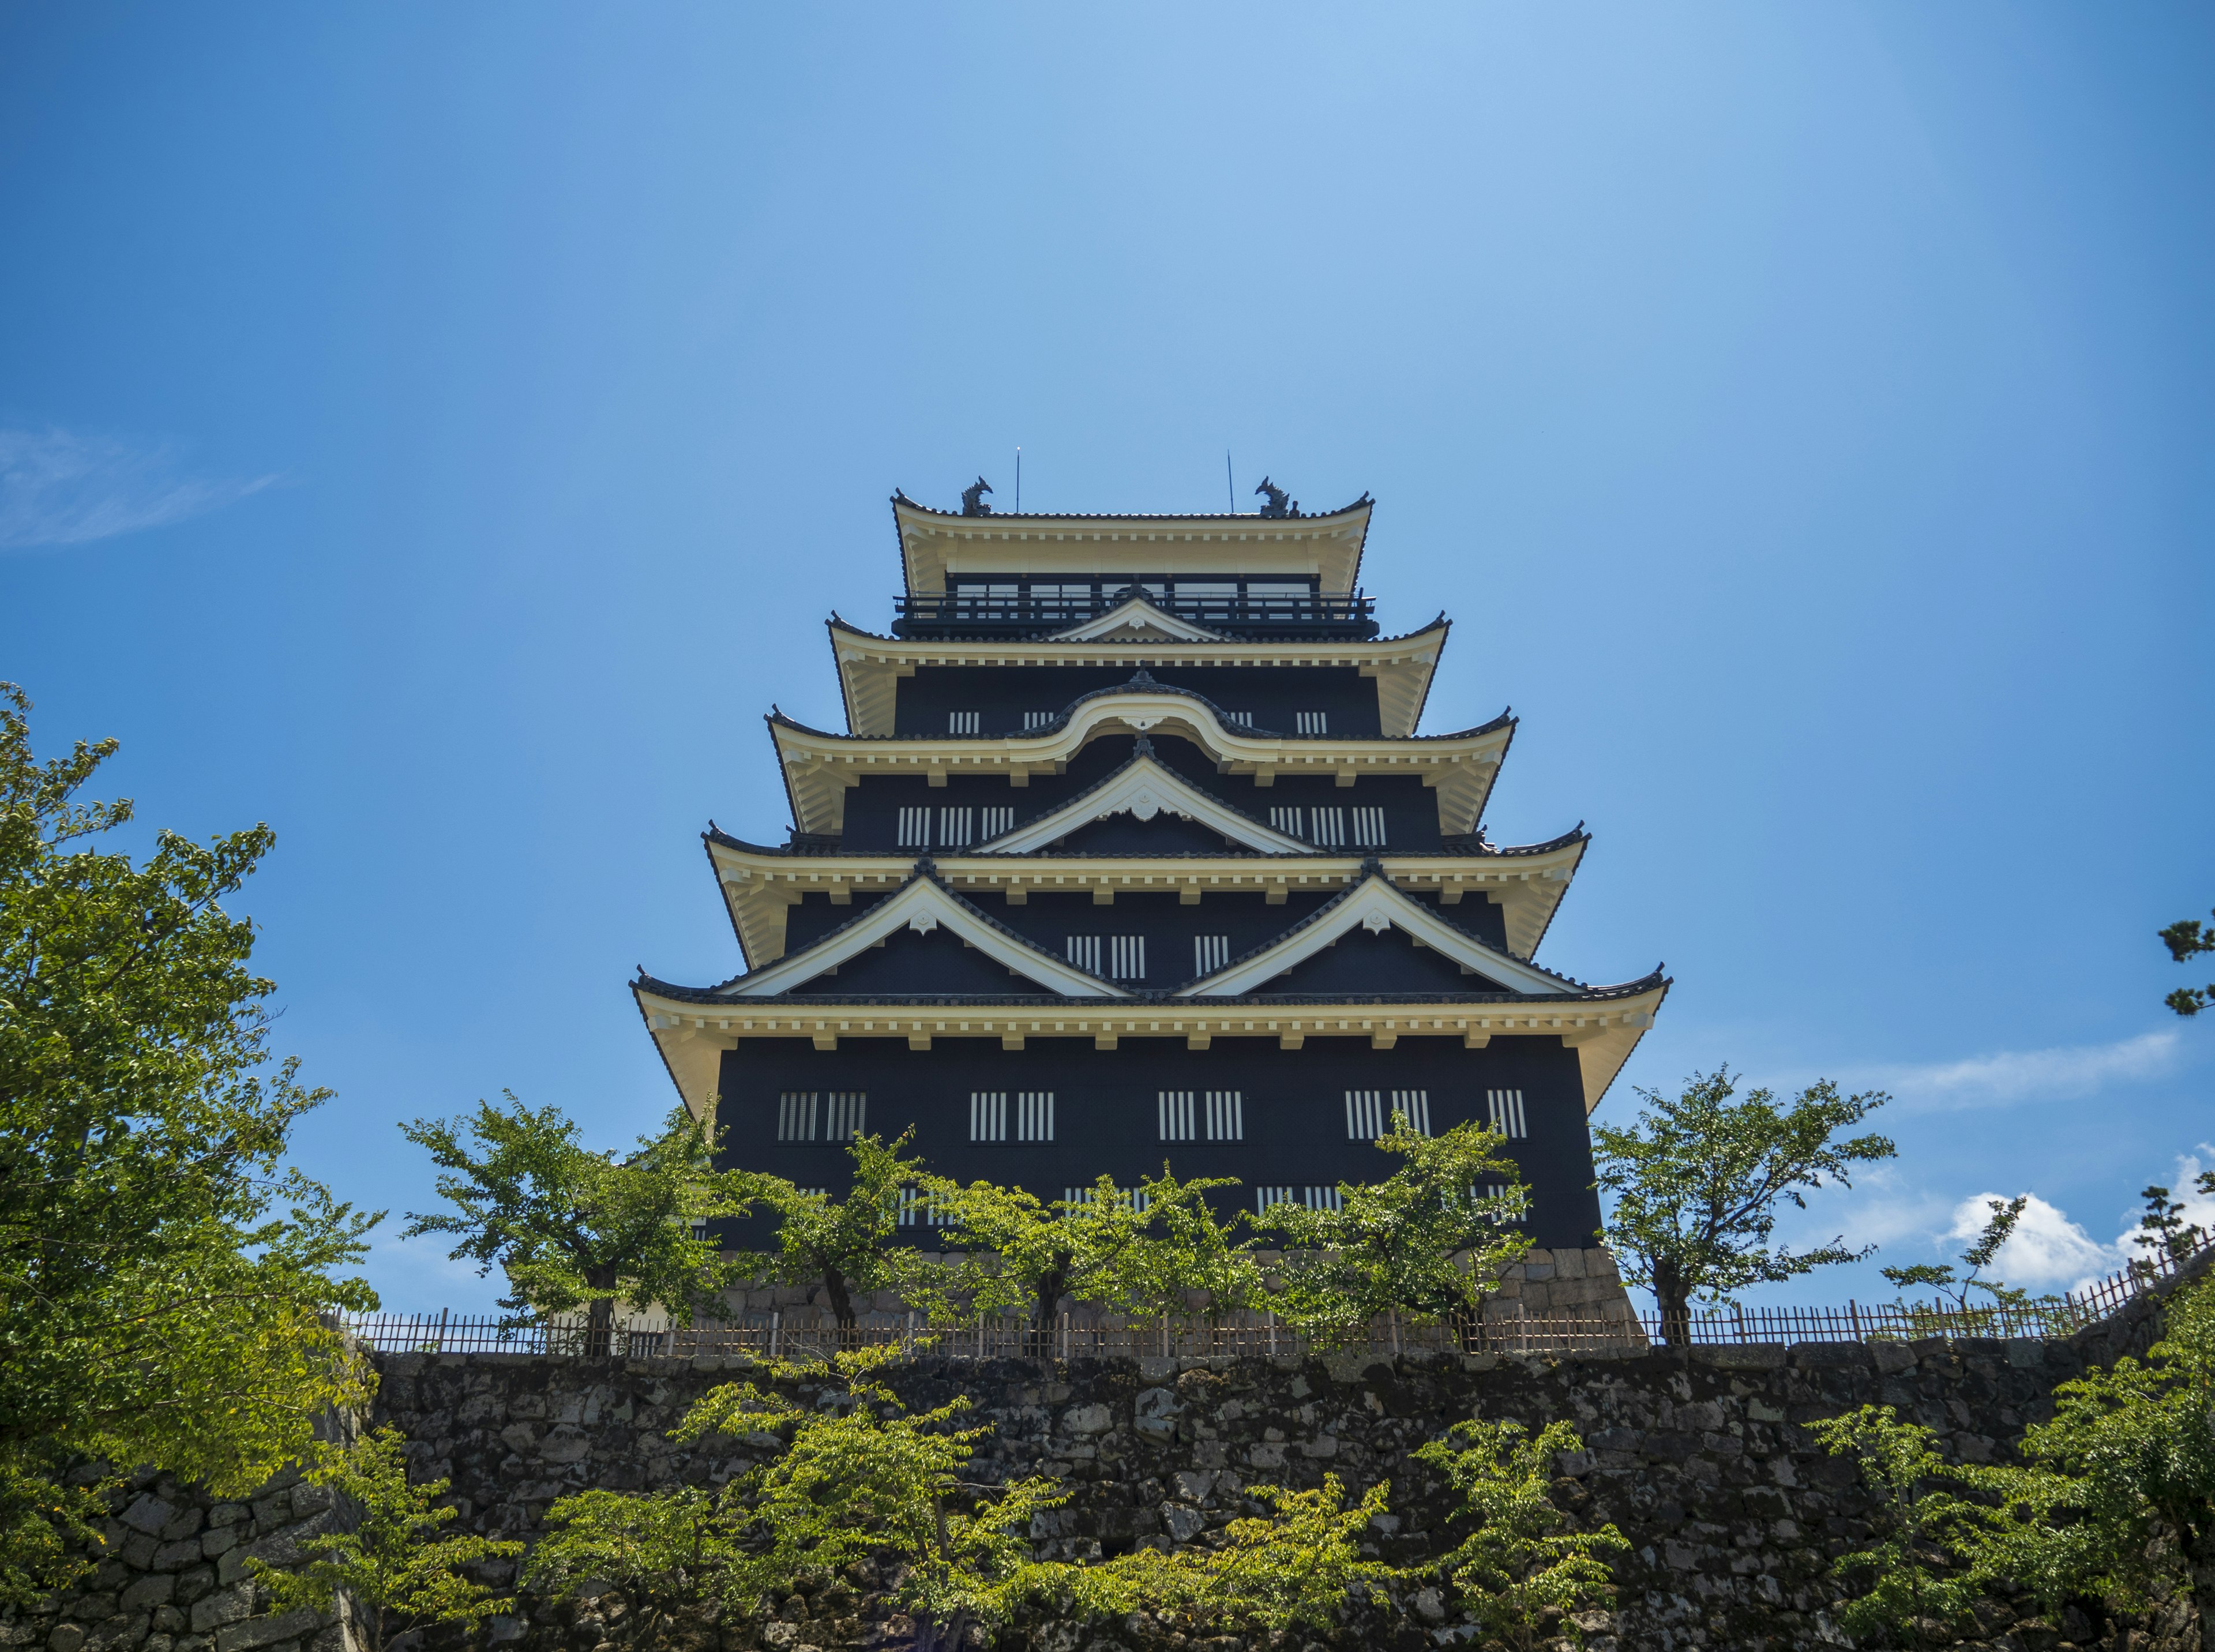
[[440, 433]]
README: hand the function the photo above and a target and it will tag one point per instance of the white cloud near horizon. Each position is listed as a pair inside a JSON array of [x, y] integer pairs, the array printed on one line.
[[2046, 1250], [64, 487], [2062, 1073]]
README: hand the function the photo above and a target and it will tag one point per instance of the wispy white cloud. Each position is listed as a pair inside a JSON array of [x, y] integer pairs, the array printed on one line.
[[2046, 1249], [2008, 1075], [64, 487], [2199, 1208]]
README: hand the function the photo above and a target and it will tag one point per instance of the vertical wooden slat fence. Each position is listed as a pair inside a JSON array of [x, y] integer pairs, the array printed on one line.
[[770, 1335]]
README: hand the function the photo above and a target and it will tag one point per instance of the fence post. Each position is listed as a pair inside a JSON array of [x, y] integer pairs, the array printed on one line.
[[1737, 1317], [1854, 1308], [1271, 1317], [775, 1321]]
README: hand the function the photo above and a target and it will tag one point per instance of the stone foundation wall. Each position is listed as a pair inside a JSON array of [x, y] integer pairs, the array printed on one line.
[[1731, 1511]]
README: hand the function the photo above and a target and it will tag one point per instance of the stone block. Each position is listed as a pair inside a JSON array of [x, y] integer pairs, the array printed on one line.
[[156, 1590], [176, 1556], [65, 1637], [1569, 1264], [264, 1632], [149, 1513], [186, 1524], [1088, 1420], [229, 1606], [219, 1540], [1833, 1356]]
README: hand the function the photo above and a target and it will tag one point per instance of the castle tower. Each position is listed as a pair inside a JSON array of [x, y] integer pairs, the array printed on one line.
[[1131, 852]]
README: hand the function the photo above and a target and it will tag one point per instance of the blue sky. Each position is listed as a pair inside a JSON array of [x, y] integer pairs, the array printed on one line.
[[441, 431]]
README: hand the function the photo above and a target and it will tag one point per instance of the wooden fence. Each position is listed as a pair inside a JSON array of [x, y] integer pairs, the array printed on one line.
[[774, 1337]]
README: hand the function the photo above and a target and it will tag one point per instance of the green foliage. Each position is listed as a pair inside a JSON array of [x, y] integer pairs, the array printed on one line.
[[574, 1229], [1918, 1527], [672, 1546], [2003, 1214], [395, 1564], [1044, 1252], [1696, 1183], [2186, 941], [842, 1247], [2163, 1230], [1422, 1242], [1524, 1561], [1295, 1569], [1186, 1259], [2115, 1496], [163, 1279], [860, 1477]]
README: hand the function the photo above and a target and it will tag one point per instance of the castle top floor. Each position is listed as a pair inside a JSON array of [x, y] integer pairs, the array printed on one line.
[[993, 575]]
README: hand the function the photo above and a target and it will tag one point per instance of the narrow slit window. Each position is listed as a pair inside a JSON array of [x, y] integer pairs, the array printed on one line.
[[1084, 951], [988, 1115], [1414, 1106], [992, 822], [1131, 1196], [795, 1115], [915, 828], [918, 1209], [847, 1115], [1038, 719], [1368, 827], [962, 723], [1239, 719], [1327, 827], [1322, 1198], [1265, 1197], [1505, 1110], [953, 827], [1290, 820], [1034, 1115], [1174, 1109], [1226, 1115], [1127, 958], [1365, 1114], [1311, 723], [1210, 953]]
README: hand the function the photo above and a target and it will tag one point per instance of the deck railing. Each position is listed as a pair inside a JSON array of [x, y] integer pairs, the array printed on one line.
[[769, 1336]]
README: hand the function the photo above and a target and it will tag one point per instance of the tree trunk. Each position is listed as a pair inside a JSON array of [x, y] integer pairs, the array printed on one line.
[[600, 1316], [842, 1303], [1050, 1287], [1673, 1292]]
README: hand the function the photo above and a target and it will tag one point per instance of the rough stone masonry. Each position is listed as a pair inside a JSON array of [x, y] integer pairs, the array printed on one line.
[[1733, 1513]]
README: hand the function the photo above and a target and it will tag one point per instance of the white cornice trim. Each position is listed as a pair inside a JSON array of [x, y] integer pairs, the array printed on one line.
[[1144, 789], [1139, 621], [922, 907], [1375, 905]]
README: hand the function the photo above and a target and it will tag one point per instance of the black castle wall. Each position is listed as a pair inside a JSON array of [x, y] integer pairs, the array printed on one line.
[[1105, 1112], [1001, 695]]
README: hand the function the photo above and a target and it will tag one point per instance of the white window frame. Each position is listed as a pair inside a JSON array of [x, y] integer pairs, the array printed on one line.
[[914, 827], [797, 1111], [1366, 1118], [1174, 1113], [847, 1116], [962, 723], [1327, 826], [1505, 1111], [1415, 1105], [1084, 951], [1311, 723], [1210, 953], [1034, 1115], [988, 1115], [954, 821], [993, 820], [1368, 826], [1127, 957], [1227, 1114]]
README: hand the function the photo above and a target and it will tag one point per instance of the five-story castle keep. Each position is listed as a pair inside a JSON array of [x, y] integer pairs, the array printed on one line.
[[1129, 851]]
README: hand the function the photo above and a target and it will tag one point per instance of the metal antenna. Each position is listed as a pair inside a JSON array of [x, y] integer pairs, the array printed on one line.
[[1228, 486], [1019, 482]]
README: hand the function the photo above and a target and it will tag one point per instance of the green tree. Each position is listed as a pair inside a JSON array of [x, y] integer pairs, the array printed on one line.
[[2186, 941], [1423, 1242], [392, 1561], [1295, 1568], [2004, 1215], [860, 1477], [572, 1228], [1524, 1565], [2115, 1496], [1185, 1252], [845, 1247], [2163, 1230], [1918, 1520], [1041, 1252], [1697, 1180], [165, 1281]]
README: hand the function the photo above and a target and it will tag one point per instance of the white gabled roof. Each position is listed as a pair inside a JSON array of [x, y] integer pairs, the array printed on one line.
[[1136, 620], [1374, 904], [923, 905], [1143, 787]]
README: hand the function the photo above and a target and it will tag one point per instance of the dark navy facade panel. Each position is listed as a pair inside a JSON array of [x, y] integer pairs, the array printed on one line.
[[881, 810], [1108, 1111], [1005, 696]]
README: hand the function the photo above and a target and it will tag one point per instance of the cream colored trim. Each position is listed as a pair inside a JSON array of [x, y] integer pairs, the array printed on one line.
[[694, 1036], [820, 768], [1136, 621], [870, 668], [760, 887], [1144, 789], [1375, 906], [1326, 548]]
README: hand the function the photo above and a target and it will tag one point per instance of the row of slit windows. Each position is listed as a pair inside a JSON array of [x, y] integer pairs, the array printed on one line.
[[970, 722], [1326, 826], [1027, 1115], [957, 826]]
